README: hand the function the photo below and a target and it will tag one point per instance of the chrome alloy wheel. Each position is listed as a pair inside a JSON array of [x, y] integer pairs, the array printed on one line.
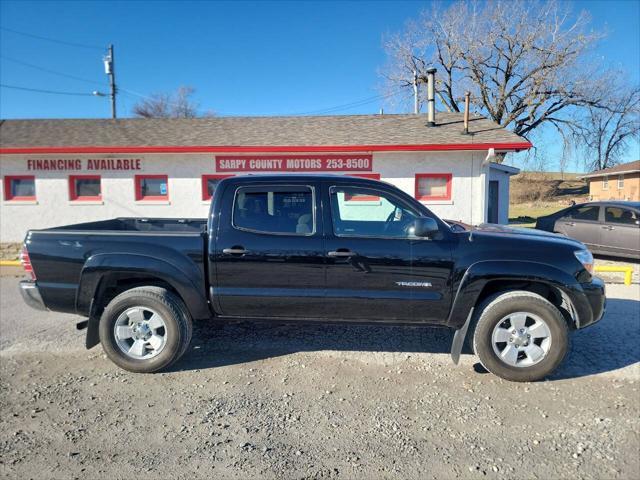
[[521, 339], [140, 333]]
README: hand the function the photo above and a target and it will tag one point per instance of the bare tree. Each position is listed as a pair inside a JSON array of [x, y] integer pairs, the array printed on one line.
[[169, 105], [603, 134], [525, 62]]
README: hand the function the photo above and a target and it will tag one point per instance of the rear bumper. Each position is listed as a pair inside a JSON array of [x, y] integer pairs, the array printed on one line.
[[31, 295]]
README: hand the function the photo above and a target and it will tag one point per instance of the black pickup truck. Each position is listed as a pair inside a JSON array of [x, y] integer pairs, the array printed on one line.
[[316, 248]]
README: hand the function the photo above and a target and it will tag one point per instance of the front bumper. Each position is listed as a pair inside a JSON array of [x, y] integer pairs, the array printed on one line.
[[31, 295], [590, 302]]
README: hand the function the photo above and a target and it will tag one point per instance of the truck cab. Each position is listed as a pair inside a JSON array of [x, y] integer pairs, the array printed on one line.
[[328, 248]]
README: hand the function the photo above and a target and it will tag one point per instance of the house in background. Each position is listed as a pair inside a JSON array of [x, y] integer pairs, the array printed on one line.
[[621, 182]]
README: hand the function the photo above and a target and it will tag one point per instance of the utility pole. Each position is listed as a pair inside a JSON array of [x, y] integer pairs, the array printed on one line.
[[109, 68], [416, 104]]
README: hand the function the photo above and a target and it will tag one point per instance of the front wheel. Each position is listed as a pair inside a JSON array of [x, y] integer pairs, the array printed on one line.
[[145, 329], [520, 336]]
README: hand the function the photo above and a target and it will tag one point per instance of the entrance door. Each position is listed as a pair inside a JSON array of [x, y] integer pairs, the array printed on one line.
[[493, 202], [377, 269], [268, 257]]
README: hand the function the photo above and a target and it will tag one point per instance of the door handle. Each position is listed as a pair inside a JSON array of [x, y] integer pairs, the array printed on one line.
[[608, 227], [341, 252], [234, 251], [571, 224]]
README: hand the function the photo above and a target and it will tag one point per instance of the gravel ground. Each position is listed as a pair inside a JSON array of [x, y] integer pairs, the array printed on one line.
[[252, 400]]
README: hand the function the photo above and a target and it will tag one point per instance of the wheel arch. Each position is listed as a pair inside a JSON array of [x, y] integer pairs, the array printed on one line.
[[103, 277], [485, 279]]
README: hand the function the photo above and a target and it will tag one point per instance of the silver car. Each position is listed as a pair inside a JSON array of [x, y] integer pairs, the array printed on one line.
[[607, 228]]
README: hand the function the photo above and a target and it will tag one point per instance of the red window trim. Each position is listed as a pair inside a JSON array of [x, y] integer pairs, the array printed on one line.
[[205, 179], [7, 188], [154, 198], [363, 198], [424, 198], [73, 195]]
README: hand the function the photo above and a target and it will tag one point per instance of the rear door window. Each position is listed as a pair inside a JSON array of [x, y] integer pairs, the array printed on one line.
[[621, 216], [278, 210], [587, 213]]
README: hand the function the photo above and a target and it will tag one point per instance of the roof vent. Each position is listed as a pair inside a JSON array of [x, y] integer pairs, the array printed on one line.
[[431, 97]]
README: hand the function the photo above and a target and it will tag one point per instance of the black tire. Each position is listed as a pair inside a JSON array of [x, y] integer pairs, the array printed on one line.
[[174, 313], [499, 306]]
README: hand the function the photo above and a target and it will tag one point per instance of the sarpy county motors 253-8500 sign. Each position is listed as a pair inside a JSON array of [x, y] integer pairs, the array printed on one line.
[[294, 163]]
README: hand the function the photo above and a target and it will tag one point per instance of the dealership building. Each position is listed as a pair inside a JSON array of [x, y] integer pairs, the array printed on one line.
[[57, 172]]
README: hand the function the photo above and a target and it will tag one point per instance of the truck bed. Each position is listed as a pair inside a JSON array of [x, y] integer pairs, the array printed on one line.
[[131, 224], [64, 257]]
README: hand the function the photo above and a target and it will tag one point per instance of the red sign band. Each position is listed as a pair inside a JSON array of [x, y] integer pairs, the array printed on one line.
[[294, 163]]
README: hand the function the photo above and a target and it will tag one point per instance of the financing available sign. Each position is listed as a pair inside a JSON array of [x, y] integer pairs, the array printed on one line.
[[295, 163], [77, 164]]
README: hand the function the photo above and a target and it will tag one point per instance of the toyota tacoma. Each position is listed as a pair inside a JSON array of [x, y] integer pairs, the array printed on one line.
[[316, 248]]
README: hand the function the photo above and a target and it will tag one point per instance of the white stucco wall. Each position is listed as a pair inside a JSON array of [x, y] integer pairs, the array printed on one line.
[[467, 192], [53, 207]]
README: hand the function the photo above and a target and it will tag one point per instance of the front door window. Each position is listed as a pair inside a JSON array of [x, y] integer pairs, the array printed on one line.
[[385, 216]]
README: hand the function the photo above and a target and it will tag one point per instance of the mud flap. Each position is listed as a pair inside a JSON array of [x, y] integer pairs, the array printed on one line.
[[93, 337], [458, 339]]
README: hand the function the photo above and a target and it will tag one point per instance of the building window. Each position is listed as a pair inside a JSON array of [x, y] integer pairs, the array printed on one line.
[[605, 182], [620, 182], [209, 184], [152, 187], [20, 187], [433, 186], [85, 187], [362, 197]]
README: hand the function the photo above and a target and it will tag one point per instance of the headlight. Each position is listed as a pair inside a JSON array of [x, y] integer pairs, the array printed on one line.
[[585, 258]]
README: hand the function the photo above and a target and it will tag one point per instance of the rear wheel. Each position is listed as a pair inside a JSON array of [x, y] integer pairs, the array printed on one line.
[[145, 329], [520, 336]]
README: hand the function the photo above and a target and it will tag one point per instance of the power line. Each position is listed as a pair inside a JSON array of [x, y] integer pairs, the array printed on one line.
[[136, 94], [48, 39], [53, 92], [151, 98], [347, 106], [54, 72], [338, 107]]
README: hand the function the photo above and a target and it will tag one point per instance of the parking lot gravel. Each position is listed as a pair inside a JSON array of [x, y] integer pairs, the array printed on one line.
[[254, 400]]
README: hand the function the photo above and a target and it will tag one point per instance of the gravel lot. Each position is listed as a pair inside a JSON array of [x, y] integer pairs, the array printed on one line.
[[252, 400]]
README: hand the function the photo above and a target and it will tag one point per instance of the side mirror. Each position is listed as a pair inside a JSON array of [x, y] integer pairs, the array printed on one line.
[[425, 227]]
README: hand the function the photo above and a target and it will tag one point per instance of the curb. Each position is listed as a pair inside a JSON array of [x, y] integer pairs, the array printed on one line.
[[10, 263]]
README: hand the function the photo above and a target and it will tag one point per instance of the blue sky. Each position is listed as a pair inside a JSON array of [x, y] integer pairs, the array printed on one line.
[[260, 58]]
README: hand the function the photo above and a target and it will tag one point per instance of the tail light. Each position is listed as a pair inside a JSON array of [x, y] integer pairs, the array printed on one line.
[[26, 263]]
